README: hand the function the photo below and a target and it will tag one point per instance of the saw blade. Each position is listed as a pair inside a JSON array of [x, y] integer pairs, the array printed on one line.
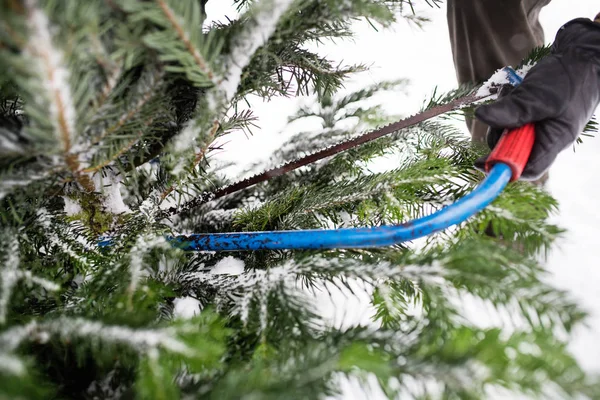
[[329, 151]]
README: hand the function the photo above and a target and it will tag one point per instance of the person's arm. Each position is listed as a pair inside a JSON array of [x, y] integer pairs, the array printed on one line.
[[559, 95], [486, 35]]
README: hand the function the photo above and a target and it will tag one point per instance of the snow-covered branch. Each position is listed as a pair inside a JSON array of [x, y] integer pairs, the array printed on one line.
[[10, 274], [21, 179], [138, 339], [11, 365], [258, 30], [45, 220], [69, 328], [142, 246], [48, 61], [240, 289]]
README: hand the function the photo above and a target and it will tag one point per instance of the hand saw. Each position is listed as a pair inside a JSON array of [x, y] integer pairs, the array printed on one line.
[[505, 164]]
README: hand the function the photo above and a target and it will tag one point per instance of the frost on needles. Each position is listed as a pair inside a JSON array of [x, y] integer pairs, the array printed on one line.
[[109, 112]]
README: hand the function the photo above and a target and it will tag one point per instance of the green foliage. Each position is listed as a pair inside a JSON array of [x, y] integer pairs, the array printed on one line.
[[181, 44], [109, 111]]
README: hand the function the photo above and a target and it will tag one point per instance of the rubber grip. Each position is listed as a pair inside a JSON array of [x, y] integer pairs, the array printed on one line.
[[513, 149]]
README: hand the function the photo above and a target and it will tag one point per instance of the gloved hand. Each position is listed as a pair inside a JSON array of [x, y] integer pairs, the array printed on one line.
[[559, 94]]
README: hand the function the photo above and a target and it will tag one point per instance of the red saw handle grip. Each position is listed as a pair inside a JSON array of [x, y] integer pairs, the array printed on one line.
[[513, 149]]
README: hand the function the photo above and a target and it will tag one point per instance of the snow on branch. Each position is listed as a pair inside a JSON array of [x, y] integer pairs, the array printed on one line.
[[8, 185], [140, 340], [12, 338], [49, 63], [27, 276], [243, 288], [259, 27], [21, 177], [109, 184], [185, 139], [142, 246], [239, 290], [10, 274], [258, 30], [50, 230], [11, 365], [9, 142], [349, 267]]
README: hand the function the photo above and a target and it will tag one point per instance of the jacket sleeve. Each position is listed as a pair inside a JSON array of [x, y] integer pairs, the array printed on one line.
[[483, 42]]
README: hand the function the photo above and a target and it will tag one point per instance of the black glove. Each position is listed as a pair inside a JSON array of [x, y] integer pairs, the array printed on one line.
[[559, 94]]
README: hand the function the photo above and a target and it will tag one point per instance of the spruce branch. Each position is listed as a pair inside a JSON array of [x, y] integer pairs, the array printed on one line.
[[112, 78], [181, 39], [144, 244], [184, 37], [67, 328], [54, 80], [10, 273], [123, 119], [146, 89], [123, 149], [21, 178], [71, 240], [261, 22]]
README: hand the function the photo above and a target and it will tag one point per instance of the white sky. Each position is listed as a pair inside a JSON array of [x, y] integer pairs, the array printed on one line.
[[424, 57]]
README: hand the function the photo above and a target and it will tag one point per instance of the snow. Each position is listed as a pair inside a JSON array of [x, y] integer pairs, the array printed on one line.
[[44, 219], [9, 142], [142, 340], [110, 186], [142, 246], [11, 364], [27, 276], [240, 289], [186, 307], [220, 216], [149, 207], [185, 138], [228, 265], [8, 277], [498, 79], [71, 206], [12, 338], [7, 185]]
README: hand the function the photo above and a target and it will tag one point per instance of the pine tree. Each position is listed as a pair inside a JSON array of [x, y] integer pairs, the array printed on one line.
[[109, 110]]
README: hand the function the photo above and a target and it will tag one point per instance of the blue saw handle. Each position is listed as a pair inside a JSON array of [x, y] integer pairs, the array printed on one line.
[[347, 238]]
